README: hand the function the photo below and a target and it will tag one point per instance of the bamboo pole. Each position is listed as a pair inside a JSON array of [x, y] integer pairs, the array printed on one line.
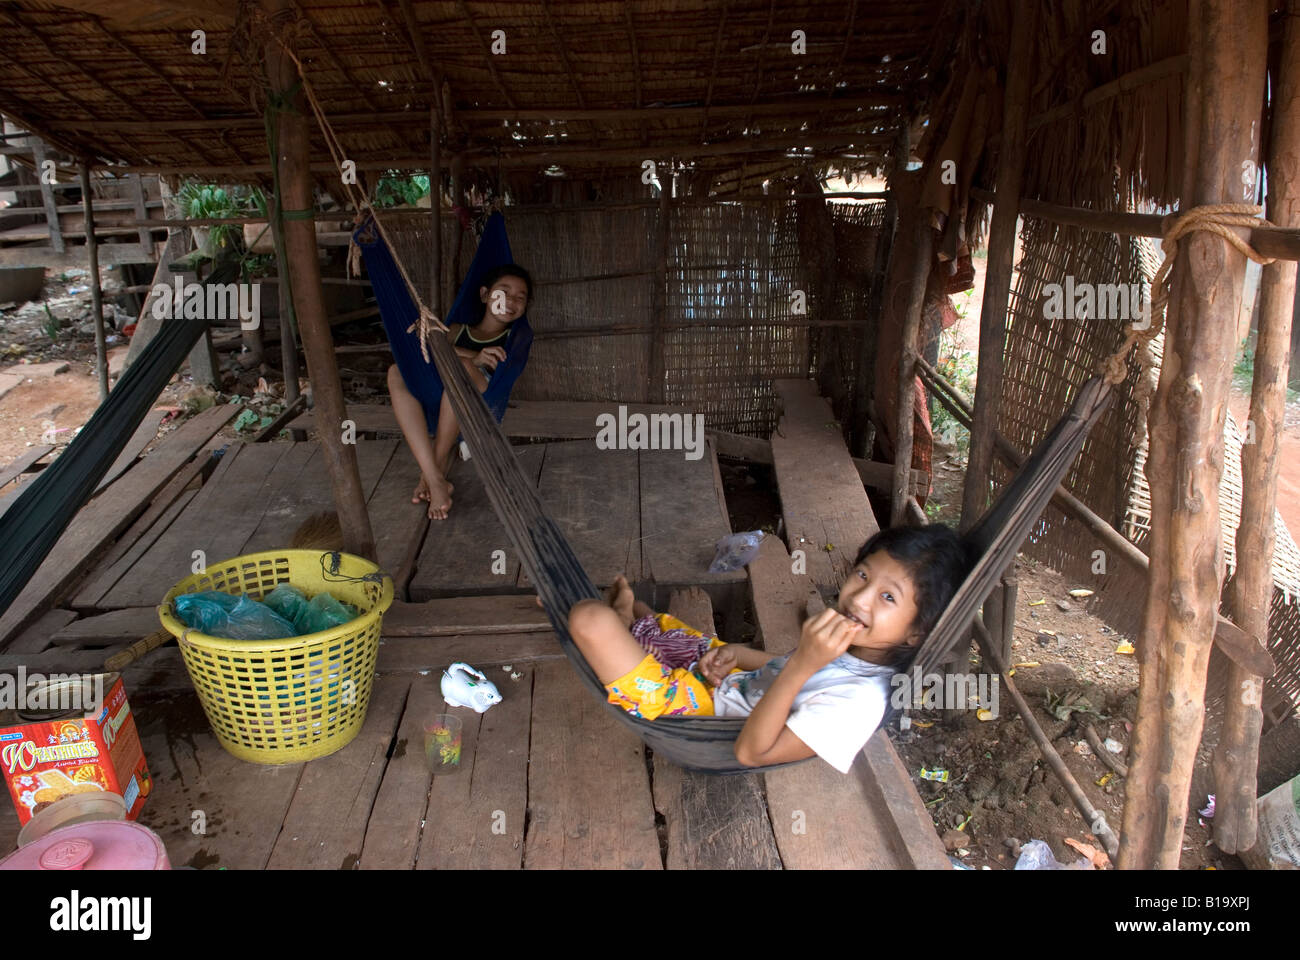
[[907, 373], [1276, 241], [997, 283], [1096, 820], [96, 288], [1250, 592], [304, 273], [1227, 48]]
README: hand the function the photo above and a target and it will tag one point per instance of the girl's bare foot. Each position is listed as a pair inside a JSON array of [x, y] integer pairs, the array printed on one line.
[[439, 499], [422, 490]]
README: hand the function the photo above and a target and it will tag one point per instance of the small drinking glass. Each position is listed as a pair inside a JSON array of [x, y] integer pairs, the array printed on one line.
[[442, 741]]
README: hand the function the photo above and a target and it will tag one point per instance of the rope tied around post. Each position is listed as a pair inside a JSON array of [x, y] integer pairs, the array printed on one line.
[[1216, 218]]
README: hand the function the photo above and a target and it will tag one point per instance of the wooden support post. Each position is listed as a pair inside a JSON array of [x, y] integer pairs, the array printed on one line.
[[47, 197], [997, 284], [1227, 48], [1250, 593], [660, 300], [906, 385], [96, 288], [205, 368], [293, 161], [288, 342], [142, 213], [457, 200], [862, 426], [435, 205]]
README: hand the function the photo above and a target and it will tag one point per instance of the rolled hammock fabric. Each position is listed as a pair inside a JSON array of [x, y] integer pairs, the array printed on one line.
[[399, 311], [36, 519]]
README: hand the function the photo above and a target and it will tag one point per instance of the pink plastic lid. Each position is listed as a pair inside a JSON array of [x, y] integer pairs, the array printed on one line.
[[94, 845]]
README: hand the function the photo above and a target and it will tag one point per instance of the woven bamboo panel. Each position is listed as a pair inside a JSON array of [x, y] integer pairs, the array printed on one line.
[[1045, 360]]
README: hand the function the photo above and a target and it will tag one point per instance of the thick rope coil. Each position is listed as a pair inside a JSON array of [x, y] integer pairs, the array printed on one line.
[[1214, 218]]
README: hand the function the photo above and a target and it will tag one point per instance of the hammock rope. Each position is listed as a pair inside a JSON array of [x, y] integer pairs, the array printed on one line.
[[1215, 218], [706, 744]]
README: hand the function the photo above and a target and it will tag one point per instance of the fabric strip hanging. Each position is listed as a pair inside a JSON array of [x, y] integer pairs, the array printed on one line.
[[399, 311]]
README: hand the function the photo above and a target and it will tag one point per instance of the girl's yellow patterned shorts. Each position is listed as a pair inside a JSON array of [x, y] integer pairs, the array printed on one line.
[[651, 690]]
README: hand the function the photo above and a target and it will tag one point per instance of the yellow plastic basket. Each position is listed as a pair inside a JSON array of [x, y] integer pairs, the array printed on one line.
[[290, 700]]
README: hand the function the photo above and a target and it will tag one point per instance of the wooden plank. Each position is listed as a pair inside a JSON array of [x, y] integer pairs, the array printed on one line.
[[456, 558], [476, 817], [780, 598], [399, 525], [712, 823], [589, 798], [130, 623], [398, 654], [826, 510], [150, 524], [40, 634], [101, 582], [592, 495], [240, 805], [452, 616], [296, 491], [681, 519], [218, 521], [887, 782], [393, 831], [112, 512], [141, 438], [325, 825], [23, 461]]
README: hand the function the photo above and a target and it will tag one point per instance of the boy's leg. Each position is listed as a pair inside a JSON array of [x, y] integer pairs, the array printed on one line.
[[410, 417], [605, 642]]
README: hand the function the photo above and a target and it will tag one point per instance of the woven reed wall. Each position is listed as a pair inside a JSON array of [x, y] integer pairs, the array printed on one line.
[[1045, 360], [729, 323]]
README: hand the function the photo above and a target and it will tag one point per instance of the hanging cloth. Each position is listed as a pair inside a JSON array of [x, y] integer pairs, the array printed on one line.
[[399, 313]]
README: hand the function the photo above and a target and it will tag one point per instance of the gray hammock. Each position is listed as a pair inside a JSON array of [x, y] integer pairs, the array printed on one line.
[[707, 744]]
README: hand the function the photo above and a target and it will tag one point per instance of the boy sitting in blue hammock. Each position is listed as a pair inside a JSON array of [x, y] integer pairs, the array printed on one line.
[[505, 294], [827, 697]]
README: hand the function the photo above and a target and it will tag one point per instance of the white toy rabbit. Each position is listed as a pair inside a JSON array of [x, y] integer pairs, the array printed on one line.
[[463, 686]]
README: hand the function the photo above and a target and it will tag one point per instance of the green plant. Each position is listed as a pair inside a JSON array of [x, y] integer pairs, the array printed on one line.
[[395, 189], [51, 324], [207, 201], [1243, 371], [958, 367]]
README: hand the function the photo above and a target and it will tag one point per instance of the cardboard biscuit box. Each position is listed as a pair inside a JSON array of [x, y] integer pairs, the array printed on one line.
[[47, 753]]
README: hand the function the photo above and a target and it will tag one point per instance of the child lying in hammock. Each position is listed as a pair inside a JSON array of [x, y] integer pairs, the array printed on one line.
[[828, 697], [505, 295]]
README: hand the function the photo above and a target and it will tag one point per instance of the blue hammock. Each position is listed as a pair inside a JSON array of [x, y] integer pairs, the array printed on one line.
[[399, 311]]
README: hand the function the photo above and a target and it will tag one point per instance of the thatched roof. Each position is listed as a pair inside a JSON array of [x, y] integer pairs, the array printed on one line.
[[585, 86]]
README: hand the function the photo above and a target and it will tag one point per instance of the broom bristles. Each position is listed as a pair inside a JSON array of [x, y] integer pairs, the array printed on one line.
[[320, 531]]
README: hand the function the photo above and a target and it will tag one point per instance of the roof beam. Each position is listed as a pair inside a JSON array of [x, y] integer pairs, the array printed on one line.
[[487, 52], [636, 56]]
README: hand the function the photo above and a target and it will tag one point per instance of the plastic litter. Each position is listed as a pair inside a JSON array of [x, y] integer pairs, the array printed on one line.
[[1208, 811], [1037, 855], [236, 618], [939, 775], [1113, 745], [735, 551]]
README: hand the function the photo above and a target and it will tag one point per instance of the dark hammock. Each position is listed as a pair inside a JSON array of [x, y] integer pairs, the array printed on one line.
[[399, 311], [707, 744], [35, 520]]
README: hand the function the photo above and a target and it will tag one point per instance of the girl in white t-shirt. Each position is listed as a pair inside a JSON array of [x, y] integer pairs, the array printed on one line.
[[828, 696]]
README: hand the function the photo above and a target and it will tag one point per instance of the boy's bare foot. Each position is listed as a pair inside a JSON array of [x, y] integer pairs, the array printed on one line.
[[620, 597]]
